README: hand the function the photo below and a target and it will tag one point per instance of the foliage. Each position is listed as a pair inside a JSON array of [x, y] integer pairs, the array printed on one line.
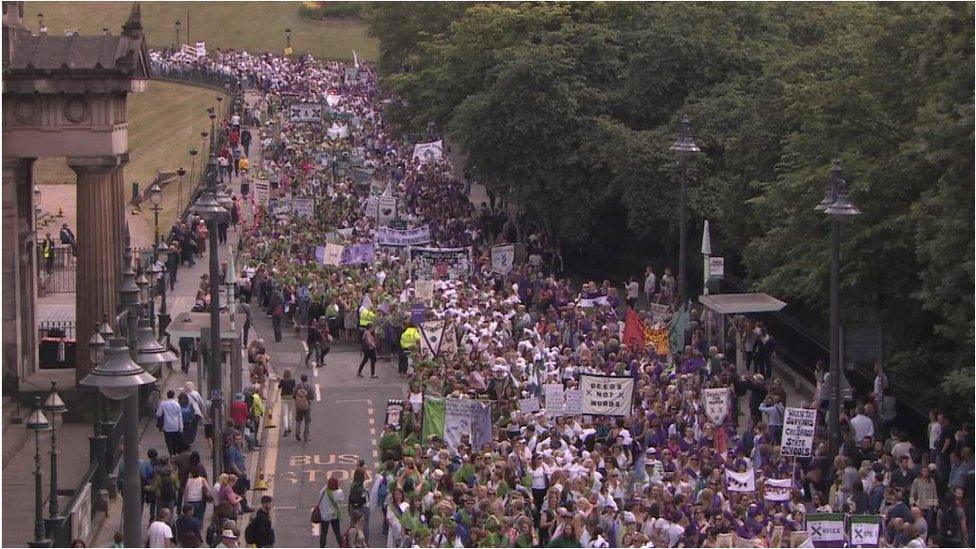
[[323, 10], [570, 109]]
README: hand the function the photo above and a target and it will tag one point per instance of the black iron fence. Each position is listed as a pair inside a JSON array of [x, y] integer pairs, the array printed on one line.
[[56, 269]]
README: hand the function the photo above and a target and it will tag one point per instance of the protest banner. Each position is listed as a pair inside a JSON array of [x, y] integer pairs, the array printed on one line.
[[332, 254], [305, 112], [865, 531], [502, 259], [418, 313], [826, 529], [449, 343], [452, 418], [660, 313], [426, 153], [440, 263], [346, 233], [431, 334], [201, 49], [530, 404], [423, 289], [554, 399], [777, 537], [399, 238], [740, 482], [799, 425], [332, 99], [716, 403], [777, 489], [386, 210], [303, 207], [394, 410], [573, 404], [357, 254], [607, 395], [262, 192], [589, 300]]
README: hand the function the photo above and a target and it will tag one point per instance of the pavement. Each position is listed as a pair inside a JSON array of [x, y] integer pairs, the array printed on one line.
[[73, 438]]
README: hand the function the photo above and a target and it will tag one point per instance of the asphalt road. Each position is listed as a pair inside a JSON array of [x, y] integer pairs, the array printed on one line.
[[347, 418]]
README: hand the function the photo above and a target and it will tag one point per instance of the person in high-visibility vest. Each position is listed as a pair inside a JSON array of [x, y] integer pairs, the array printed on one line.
[[409, 342], [47, 252]]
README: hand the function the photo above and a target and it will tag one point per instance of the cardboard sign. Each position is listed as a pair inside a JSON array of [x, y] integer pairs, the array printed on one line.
[[502, 259], [332, 254], [799, 425], [529, 404], [826, 529], [554, 399], [573, 405], [424, 289], [303, 207], [740, 482]]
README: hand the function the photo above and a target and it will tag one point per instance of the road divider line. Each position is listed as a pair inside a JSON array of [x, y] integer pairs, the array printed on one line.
[[318, 393]]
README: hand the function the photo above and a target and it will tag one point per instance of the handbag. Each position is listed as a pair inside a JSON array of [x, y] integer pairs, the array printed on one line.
[[316, 515]]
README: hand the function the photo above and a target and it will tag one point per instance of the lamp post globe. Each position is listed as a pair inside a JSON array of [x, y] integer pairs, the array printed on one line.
[[119, 376]]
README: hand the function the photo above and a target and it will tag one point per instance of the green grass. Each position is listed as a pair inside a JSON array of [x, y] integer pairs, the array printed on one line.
[[254, 26], [164, 123]]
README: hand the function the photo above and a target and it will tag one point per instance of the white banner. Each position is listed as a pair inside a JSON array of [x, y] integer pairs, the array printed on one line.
[[449, 344], [778, 489], [431, 333], [332, 99], [740, 482], [660, 313], [201, 49], [716, 403], [345, 233], [423, 289], [457, 421], [440, 263], [386, 210], [554, 399], [502, 259], [607, 395], [428, 152], [407, 237], [305, 112], [303, 207], [799, 425], [826, 529]]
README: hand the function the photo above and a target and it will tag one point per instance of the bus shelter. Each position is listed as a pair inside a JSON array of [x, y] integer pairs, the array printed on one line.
[[725, 312]]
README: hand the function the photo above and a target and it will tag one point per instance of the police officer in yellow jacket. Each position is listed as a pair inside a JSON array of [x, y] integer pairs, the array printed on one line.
[[409, 342], [47, 252]]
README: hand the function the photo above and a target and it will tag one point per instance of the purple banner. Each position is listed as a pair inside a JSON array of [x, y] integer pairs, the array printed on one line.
[[357, 254]]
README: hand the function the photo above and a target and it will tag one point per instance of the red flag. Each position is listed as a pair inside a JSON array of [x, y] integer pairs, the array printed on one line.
[[633, 331]]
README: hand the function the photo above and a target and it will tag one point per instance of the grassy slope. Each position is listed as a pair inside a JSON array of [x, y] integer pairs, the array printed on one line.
[[254, 26], [163, 124]]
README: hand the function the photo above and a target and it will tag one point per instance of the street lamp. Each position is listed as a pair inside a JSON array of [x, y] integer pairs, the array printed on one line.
[[119, 378], [837, 204], [209, 209], [684, 146], [288, 42], [150, 354], [55, 406], [155, 198], [177, 25], [180, 173], [37, 422]]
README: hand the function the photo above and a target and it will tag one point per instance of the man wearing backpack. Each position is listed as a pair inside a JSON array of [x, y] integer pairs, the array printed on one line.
[[166, 486], [260, 531], [303, 408]]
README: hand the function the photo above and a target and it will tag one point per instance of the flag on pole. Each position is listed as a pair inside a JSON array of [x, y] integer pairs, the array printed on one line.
[[355, 58], [633, 331], [679, 324]]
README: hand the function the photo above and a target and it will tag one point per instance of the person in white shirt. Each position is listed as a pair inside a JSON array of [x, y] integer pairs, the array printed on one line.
[[170, 421], [160, 534], [650, 284], [862, 425], [633, 290]]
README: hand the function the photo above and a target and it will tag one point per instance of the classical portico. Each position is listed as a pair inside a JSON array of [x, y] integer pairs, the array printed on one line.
[[65, 96]]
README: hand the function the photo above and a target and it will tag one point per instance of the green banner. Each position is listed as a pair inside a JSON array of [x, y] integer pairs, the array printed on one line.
[[433, 417]]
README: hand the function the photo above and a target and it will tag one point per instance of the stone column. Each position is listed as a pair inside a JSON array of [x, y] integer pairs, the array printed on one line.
[[100, 218], [19, 269]]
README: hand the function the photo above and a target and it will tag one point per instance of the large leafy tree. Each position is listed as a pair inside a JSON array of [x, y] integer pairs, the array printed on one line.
[[570, 108]]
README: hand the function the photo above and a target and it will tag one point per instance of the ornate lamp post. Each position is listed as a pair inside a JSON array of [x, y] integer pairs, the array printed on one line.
[[209, 209], [96, 353], [684, 146], [179, 179], [54, 406], [37, 422], [837, 204], [177, 26], [288, 49]]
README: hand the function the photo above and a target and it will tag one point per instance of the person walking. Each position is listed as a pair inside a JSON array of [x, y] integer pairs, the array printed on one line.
[[260, 532], [359, 503], [313, 340], [187, 346], [329, 499], [160, 534], [369, 352], [303, 408], [173, 263], [277, 313], [286, 386], [169, 420], [191, 419], [196, 492]]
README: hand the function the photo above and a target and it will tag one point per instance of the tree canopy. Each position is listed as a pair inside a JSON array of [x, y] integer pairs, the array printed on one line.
[[569, 108]]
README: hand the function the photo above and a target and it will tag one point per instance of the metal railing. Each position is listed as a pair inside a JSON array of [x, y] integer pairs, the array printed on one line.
[[56, 329], [56, 274]]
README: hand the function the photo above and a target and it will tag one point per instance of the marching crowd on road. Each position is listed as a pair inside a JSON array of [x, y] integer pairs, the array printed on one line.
[[473, 323]]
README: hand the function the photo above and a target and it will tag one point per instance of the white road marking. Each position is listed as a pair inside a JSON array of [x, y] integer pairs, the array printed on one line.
[[318, 393], [367, 400]]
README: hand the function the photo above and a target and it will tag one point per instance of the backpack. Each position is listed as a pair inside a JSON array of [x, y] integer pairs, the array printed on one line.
[[301, 399], [357, 496], [167, 491], [249, 536]]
